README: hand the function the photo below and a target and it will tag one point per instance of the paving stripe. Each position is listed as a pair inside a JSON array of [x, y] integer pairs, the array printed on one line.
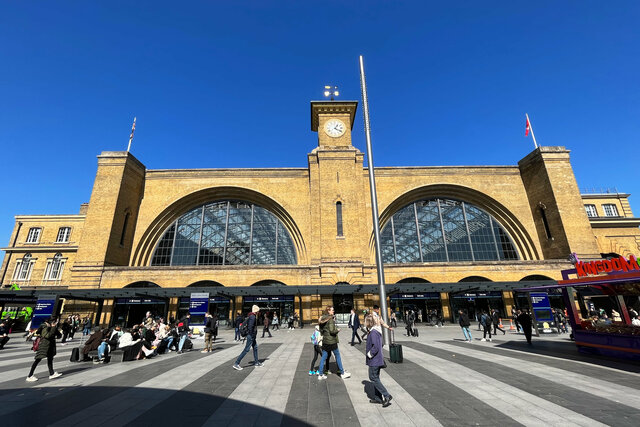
[[298, 404], [68, 393], [137, 399], [198, 400], [511, 401], [272, 382], [607, 390], [23, 357], [404, 409]]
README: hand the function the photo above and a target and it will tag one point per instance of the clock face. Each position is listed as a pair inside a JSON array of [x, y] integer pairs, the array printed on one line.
[[335, 128]]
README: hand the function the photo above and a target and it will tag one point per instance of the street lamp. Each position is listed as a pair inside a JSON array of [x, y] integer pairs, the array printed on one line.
[[331, 91]]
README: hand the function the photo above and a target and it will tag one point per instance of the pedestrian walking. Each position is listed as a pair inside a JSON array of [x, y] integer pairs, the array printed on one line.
[[48, 333], [375, 361], [316, 340], [495, 319], [464, 322], [393, 320], [183, 331], [252, 339], [265, 323], [208, 333], [354, 324], [236, 324], [86, 326], [525, 321], [275, 323], [485, 321], [514, 316], [4, 333], [66, 330], [330, 343]]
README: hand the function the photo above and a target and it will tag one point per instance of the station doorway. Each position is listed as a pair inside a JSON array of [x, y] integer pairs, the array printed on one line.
[[427, 306], [132, 311], [475, 302]]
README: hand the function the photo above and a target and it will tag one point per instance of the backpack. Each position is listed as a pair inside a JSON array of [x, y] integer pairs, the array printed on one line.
[[316, 337], [244, 328]]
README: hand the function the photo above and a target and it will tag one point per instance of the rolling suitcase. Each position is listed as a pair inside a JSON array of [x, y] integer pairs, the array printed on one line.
[[75, 355], [395, 350]]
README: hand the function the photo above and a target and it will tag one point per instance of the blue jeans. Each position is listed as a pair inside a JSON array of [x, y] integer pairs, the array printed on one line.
[[169, 341], [251, 341], [183, 338], [237, 337], [467, 333], [102, 350], [374, 376], [336, 354]]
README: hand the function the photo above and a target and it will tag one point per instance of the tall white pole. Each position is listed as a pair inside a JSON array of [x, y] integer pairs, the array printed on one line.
[[133, 128], [531, 129], [374, 204]]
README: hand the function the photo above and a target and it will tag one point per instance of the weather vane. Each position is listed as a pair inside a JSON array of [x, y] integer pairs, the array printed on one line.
[[331, 91]]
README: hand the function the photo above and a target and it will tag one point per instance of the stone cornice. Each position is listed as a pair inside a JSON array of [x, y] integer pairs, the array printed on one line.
[[332, 107]]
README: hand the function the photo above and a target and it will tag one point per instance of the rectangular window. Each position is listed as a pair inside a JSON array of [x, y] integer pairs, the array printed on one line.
[[545, 222], [610, 210], [54, 269], [34, 235], [591, 211], [23, 270], [124, 228], [63, 235], [339, 217]]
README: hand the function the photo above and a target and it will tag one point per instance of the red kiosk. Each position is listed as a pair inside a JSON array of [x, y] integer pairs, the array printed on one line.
[[598, 305]]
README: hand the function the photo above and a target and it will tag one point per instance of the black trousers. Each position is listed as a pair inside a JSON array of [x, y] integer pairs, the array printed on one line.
[[486, 329], [49, 364], [527, 334], [355, 335], [495, 328], [3, 341], [317, 351]]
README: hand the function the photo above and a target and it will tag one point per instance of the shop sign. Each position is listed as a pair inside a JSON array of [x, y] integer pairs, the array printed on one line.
[[43, 310], [593, 268], [283, 298], [138, 301], [199, 303], [426, 295], [542, 310]]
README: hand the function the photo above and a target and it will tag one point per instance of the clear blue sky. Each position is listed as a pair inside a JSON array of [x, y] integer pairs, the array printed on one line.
[[228, 84]]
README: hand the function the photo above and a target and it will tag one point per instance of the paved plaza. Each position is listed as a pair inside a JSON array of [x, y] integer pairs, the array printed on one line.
[[443, 381]]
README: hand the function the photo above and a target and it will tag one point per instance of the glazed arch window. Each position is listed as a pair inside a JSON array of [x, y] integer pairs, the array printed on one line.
[[54, 267], [339, 219], [63, 235], [24, 267], [227, 232], [34, 235], [610, 210], [591, 211], [444, 230]]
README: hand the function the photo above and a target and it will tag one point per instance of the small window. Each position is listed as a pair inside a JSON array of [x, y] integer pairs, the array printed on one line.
[[545, 222], [63, 235], [339, 218], [54, 268], [34, 235], [610, 210], [23, 268], [591, 211], [124, 228]]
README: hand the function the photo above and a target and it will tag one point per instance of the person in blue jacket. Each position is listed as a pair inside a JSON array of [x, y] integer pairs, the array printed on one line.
[[375, 361]]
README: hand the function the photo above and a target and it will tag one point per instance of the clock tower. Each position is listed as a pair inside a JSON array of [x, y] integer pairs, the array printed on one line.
[[338, 189]]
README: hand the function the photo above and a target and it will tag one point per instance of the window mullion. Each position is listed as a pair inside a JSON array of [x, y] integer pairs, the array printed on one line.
[[200, 238], [495, 239], [226, 231], [251, 237], [466, 224], [173, 243], [415, 215], [393, 238], [444, 236]]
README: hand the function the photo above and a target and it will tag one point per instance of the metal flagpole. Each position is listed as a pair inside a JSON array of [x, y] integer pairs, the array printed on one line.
[[133, 128], [374, 205], [531, 129]]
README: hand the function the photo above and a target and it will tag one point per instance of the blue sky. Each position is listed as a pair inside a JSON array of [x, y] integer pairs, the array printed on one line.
[[228, 84]]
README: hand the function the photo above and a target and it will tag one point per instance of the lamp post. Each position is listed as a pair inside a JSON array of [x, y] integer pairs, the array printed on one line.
[[331, 91]]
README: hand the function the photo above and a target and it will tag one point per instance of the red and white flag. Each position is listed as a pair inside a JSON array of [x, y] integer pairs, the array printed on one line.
[[528, 128]]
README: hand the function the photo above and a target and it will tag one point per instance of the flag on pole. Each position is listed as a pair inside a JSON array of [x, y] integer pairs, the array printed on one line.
[[528, 128]]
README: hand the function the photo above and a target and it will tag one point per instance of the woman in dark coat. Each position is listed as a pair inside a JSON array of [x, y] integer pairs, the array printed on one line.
[[375, 361], [47, 348]]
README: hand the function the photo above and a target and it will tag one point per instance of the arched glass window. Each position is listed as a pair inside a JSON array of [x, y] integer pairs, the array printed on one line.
[[55, 268], [225, 233], [23, 268], [444, 230]]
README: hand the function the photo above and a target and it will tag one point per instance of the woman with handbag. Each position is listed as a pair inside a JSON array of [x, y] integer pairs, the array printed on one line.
[[375, 361], [46, 348]]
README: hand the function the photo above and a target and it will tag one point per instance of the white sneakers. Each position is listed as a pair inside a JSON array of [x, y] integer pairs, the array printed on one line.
[[32, 379], [55, 375], [237, 367], [483, 339], [322, 377], [345, 375]]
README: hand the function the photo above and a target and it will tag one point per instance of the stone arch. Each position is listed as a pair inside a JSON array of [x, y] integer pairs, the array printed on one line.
[[413, 280], [142, 284], [521, 238], [474, 279], [269, 282], [205, 284], [534, 277], [152, 235]]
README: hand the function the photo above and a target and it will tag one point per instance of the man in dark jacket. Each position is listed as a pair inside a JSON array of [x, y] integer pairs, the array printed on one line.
[[265, 323], [4, 333], [525, 321], [252, 339], [183, 330], [354, 324], [495, 317], [464, 322], [92, 343], [236, 324]]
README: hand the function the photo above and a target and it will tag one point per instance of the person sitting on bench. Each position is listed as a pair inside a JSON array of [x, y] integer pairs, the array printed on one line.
[[92, 343]]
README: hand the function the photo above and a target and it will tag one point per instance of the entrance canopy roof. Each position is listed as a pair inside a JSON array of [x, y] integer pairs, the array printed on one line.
[[158, 292]]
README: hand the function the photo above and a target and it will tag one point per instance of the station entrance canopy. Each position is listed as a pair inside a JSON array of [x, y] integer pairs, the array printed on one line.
[[101, 294]]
